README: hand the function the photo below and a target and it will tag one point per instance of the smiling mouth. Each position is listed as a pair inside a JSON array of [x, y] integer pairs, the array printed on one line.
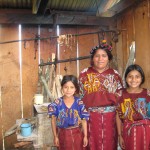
[[134, 83], [100, 62]]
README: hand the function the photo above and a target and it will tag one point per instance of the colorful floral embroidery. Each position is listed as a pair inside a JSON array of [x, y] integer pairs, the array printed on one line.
[[134, 109], [103, 45], [68, 116], [92, 84], [127, 109], [110, 83]]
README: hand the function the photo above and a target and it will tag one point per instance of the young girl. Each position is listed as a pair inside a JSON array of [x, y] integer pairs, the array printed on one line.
[[133, 110], [67, 112]]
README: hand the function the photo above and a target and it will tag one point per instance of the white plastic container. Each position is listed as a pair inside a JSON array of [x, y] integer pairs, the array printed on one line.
[[38, 99]]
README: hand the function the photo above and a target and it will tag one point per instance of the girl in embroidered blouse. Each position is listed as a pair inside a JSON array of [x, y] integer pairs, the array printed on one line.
[[133, 111], [67, 114]]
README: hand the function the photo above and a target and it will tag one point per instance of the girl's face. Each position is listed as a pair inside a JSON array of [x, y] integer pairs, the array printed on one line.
[[134, 79], [100, 60], [68, 89]]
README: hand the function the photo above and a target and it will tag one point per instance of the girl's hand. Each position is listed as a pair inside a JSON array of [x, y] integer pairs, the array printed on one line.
[[121, 142], [120, 113], [56, 141], [85, 141]]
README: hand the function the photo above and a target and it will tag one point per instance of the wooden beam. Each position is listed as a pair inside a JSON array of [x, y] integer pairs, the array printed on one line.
[[42, 7], [29, 18], [122, 6], [104, 6], [35, 6], [73, 13], [110, 8]]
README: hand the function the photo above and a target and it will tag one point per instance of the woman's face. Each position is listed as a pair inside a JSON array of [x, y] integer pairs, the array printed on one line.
[[100, 60], [134, 79]]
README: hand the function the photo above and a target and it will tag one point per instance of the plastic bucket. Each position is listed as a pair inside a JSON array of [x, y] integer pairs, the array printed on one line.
[[26, 129]]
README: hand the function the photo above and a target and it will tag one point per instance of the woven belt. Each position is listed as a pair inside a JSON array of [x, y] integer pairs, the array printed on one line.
[[130, 125], [102, 109], [68, 128]]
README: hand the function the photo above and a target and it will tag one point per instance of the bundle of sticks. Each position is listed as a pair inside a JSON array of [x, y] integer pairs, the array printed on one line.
[[51, 88]]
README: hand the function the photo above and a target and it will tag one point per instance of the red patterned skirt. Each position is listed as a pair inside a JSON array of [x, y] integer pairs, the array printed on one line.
[[102, 131], [71, 139], [137, 135]]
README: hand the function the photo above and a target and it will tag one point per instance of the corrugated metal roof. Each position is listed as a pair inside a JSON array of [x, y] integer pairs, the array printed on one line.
[[16, 4], [73, 5], [59, 5], [33, 11]]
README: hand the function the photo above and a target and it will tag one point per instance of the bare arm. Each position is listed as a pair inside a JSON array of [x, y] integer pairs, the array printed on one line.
[[119, 124], [119, 129], [84, 127], [53, 123]]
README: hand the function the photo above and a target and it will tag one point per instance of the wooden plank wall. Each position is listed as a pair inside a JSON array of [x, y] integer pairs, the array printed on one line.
[[9, 80], [13, 99], [85, 43], [137, 25], [12, 103]]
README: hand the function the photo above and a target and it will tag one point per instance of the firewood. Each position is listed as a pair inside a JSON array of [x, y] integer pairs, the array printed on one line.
[[11, 130], [22, 144]]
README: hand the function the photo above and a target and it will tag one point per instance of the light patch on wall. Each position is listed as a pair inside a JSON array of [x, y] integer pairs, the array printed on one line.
[[58, 50], [20, 62], [39, 50], [2, 125], [77, 57]]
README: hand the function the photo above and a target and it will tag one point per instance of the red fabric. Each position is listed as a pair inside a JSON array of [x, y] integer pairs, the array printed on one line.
[[99, 89], [139, 136], [71, 139], [130, 109], [133, 96], [102, 131], [136, 128]]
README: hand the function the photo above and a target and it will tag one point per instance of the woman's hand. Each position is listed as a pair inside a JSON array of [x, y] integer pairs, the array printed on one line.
[[85, 141], [56, 141], [121, 142]]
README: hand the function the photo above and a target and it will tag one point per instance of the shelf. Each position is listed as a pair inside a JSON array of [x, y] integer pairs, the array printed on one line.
[[40, 109]]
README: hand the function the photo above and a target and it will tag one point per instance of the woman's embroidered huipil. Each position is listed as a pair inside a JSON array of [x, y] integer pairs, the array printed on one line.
[[99, 89]]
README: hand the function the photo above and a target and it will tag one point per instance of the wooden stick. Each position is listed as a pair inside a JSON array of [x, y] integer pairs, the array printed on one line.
[[22, 144], [11, 130]]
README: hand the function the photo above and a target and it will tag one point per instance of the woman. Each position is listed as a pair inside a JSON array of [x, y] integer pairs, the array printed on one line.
[[99, 86]]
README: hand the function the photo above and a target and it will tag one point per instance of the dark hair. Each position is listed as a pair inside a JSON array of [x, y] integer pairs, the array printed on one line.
[[137, 68], [71, 78], [104, 46]]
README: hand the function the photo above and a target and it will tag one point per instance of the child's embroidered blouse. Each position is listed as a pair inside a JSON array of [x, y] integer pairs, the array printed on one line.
[[67, 117]]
